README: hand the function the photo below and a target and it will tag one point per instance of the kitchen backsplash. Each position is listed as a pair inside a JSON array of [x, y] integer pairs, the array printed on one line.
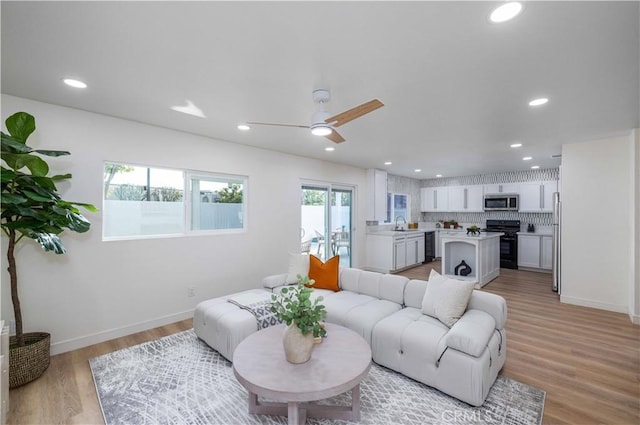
[[480, 218]]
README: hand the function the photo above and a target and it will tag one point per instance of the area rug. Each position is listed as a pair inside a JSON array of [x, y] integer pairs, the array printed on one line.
[[179, 379]]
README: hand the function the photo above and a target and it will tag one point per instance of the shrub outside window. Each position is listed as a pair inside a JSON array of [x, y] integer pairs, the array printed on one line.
[[141, 202]]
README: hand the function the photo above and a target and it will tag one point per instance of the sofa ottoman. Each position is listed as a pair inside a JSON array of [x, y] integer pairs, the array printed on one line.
[[222, 323]]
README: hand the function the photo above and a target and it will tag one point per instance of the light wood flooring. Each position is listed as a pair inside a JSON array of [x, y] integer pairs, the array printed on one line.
[[588, 361]]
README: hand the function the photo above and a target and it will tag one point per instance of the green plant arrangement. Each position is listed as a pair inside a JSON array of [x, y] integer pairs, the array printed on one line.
[[31, 207], [294, 305]]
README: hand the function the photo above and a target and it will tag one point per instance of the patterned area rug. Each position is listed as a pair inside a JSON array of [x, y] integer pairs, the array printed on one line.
[[181, 380]]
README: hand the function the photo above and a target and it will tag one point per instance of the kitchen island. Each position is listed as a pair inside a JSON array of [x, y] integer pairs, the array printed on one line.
[[481, 253]]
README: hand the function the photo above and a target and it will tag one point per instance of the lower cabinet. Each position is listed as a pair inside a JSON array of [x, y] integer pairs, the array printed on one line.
[[534, 251], [388, 252], [399, 253]]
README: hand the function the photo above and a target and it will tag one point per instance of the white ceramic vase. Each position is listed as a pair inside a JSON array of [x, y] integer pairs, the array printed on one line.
[[297, 347]]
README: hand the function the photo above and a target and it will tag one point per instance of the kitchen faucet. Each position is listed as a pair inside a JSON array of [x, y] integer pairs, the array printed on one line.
[[403, 220]]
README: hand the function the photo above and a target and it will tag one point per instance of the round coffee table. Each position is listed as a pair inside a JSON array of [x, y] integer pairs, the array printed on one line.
[[338, 364]]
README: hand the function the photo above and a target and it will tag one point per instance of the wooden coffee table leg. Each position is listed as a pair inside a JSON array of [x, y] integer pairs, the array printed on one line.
[[355, 403], [253, 403]]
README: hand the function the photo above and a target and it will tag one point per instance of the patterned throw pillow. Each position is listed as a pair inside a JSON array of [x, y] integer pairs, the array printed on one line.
[[325, 274]]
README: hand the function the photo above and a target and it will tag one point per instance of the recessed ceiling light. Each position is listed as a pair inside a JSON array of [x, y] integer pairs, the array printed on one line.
[[535, 167], [243, 127], [75, 83], [189, 109], [438, 175], [527, 158], [329, 149], [417, 170], [388, 163], [539, 101], [505, 12], [516, 145]]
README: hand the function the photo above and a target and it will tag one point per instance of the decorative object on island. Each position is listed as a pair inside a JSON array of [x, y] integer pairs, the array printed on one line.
[[32, 208], [462, 269], [303, 318], [473, 230], [451, 224]]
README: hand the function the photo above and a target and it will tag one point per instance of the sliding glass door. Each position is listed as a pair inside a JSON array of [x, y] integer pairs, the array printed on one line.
[[326, 221]]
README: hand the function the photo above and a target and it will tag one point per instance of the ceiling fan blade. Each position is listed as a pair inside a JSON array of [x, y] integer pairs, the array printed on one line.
[[353, 113], [335, 137], [277, 124]]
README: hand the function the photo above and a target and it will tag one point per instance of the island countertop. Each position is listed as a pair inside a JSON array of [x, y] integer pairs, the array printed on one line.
[[462, 236]]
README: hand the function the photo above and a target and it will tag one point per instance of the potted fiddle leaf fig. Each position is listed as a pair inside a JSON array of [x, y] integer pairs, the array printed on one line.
[[31, 209]]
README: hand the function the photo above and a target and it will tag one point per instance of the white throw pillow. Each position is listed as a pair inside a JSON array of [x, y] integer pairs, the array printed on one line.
[[446, 299], [298, 265], [433, 274]]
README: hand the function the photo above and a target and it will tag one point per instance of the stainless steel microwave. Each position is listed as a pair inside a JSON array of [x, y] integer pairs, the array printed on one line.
[[501, 202]]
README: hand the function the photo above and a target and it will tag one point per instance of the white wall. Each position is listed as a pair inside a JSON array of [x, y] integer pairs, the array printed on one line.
[[598, 229], [101, 290], [634, 290]]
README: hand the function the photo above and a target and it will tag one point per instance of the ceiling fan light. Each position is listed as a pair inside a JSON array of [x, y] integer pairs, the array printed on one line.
[[320, 130]]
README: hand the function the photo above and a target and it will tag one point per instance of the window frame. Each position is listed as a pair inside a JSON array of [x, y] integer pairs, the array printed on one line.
[[391, 214], [187, 175]]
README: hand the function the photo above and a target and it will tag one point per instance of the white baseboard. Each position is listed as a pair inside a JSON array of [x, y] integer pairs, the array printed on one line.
[[85, 341], [635, 318], [593, 304]]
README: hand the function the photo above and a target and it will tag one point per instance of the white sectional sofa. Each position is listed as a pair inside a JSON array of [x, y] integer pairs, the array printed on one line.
[[386, 310]]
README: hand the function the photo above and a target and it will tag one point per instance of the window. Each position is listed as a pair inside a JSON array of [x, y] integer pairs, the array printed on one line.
[[142, 201], [398, 206]]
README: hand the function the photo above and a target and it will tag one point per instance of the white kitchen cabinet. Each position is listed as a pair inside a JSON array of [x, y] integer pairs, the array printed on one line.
[[376, 199], [529, 251], [546, 251], [399, 254], [434, 199], [548, 188], [502, 188], [537, 196], [457, 198], [475, 201], [534, 251], [392, 251], [415, 249]]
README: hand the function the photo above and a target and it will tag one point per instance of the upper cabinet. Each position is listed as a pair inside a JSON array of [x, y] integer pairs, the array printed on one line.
[[465, 198], [501, 188], [537, 196], [434, 199], [376, 195]]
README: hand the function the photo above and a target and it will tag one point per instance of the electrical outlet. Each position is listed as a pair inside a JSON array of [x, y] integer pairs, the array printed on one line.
[[191, 292]]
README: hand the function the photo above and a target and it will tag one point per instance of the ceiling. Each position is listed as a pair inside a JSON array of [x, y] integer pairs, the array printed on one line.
[[455, 86]]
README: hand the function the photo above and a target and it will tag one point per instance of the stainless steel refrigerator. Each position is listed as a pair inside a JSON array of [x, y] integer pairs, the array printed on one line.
[[556, 220]]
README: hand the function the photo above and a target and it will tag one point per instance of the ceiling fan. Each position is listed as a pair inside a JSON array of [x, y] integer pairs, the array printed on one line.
[[324, 125]]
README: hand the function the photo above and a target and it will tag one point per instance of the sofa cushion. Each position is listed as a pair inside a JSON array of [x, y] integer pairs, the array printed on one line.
[[298, 265], [382, 286], [325, 274], [493, 304], [471, 333], [446, 299], [358, 312]]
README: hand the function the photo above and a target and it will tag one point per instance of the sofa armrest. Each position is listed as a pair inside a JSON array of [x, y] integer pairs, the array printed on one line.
[[274, 281], [493, 304], [471, 333]]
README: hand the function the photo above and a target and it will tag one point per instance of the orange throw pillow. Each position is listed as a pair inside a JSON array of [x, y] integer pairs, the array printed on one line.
[[325, 274]]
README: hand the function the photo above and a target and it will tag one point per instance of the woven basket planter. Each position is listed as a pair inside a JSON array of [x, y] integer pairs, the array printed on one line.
[[29, 362]]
